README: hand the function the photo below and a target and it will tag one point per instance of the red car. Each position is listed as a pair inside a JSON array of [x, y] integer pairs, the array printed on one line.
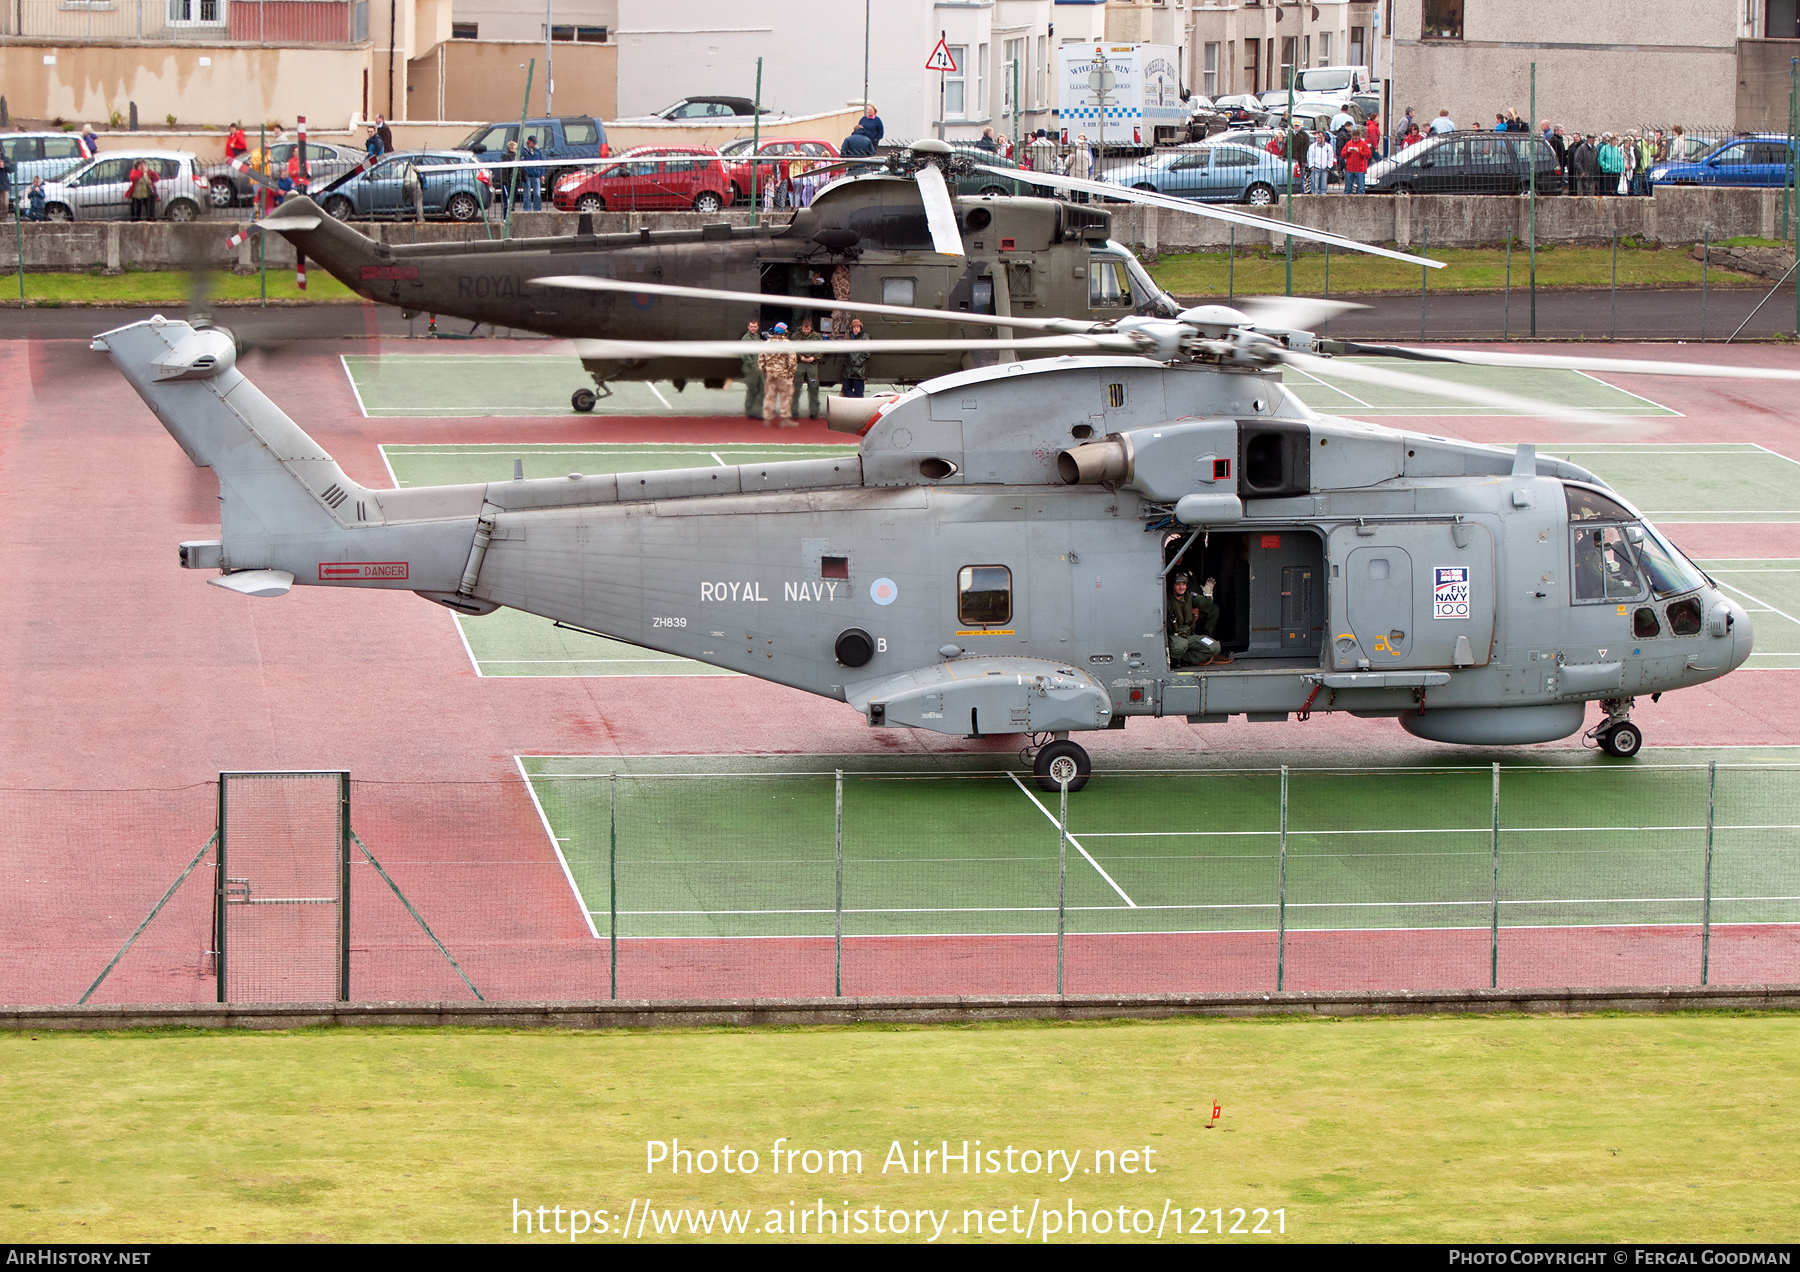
[[663, 179], [736, 157]]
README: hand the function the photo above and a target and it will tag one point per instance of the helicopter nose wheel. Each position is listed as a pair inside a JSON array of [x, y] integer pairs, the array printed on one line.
[[1622, 740], [1062, 763], [583, 400]]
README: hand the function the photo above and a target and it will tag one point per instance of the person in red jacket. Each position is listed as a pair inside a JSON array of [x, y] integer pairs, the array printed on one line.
[[235, 142], [1373, 137], [1355, 158]]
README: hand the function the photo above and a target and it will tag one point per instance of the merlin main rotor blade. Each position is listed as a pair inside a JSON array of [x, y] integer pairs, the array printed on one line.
[[1510, 403], [1154, 200], [1556, 362], [582, 282]]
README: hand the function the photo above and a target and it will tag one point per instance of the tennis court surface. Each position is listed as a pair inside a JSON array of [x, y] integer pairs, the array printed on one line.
[[948, 879]]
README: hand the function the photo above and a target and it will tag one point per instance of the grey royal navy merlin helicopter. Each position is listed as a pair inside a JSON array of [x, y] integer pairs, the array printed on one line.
[[993, 558]]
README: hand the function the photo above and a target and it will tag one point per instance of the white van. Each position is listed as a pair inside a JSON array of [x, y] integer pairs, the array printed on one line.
[[1336, 82]]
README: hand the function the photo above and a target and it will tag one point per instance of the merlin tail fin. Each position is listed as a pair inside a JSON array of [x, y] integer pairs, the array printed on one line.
[[287, 512]]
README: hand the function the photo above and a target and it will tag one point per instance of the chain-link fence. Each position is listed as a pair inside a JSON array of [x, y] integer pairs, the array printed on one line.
[[704, 886]]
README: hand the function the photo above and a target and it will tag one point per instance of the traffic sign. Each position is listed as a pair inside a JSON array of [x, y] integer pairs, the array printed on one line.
[[940, 59]]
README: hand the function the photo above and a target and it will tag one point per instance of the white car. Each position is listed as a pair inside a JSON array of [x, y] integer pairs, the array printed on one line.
[[99, 190]]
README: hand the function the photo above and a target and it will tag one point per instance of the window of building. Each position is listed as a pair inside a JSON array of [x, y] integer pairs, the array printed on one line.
[[1305, 51], [1012, 73], [581, 34], [196, 13], [1253, 64], [1356, 46], [465, 30], [1443, 19], [1289, 46], [1043, 72], [980, 104], [956, 83], [1230, 63], [1324, 48], [1209, 70], [984, 595]]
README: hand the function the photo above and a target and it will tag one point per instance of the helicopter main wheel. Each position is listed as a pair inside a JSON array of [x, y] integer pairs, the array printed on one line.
[[1622, 741], [1062, 763], [583, 400]]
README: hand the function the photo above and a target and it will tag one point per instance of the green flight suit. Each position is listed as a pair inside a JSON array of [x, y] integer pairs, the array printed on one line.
[[1191, 617], [753, 380]]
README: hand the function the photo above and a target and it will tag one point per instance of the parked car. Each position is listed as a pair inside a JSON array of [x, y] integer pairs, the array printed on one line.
[[567, 142], [668, 178], [1762, 160], [987, 182], [703, 109], [228, 186], [736, 157], [1205, 118], [1211, 173], [451, 188], [98, 190], [1240, 108], [1468, 163], [41, 154]]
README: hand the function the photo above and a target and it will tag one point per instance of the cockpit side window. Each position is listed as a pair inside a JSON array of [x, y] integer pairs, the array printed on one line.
[[1591, 505], [1604, 567], [1109, 286]]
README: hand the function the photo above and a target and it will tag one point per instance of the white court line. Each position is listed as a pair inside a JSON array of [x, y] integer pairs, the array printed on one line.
[[464, 637], [1484, 903], [1777, 454], [1078, 848], [1766, 606], [721, 463], [557, 662], [1628, 393], [659, 397], [1334, 388], [389, 465], [556, 846], [344, 362]]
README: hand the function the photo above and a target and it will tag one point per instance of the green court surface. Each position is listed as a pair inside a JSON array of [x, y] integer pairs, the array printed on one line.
[[1367, 401], [408, 385], [515, 384], [1770, 591], [752, 852], [1683, 481]]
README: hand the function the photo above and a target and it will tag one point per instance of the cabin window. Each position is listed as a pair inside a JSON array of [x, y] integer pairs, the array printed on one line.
[[897, 291], [1644, 624], [984, 595], [834, 567], [1604, 569]]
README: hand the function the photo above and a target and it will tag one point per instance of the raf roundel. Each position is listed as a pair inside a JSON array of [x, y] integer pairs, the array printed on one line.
[[884, 591]]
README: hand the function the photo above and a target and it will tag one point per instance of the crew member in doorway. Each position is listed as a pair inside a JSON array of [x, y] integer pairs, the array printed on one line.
[[808, 375], [1192, 621], [856, 365]]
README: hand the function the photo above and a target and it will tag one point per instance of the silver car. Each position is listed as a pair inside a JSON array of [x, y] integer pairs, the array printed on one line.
[[40, 154], [229, 186], [99, 190]]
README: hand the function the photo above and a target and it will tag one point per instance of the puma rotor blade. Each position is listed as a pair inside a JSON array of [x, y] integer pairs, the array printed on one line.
[[582, 282], [626, 350], [1152, 199], [940, 213]]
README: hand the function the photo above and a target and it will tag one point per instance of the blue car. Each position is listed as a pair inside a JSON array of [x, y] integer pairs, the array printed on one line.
[[1743, 161], [453, 188], [1210, 174]]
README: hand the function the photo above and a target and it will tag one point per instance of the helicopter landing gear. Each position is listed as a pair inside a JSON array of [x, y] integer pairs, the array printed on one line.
[[1617, 735], [583, 400], [1062, 763]]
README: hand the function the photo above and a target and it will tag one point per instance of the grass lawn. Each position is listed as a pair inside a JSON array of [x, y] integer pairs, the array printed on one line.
[[158, 287], [1466, 269], [1600, 1128]]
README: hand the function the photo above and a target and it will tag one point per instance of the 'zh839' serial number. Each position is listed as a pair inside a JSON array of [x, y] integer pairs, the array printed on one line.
[[668, 622]]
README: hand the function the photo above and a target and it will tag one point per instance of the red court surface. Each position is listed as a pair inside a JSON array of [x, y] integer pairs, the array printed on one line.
[[123, 673]]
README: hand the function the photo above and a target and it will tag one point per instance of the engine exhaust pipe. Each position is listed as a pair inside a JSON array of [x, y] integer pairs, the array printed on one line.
[[1091, 463], [853, 415]]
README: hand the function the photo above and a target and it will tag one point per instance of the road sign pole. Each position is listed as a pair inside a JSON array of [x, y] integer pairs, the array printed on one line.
[[1532, 220], [756, 144], [1292, 160]]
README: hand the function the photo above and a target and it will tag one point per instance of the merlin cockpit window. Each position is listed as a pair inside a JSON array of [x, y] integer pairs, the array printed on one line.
[[1591, 505], [1604, 568], [984, 596], [1670, 572]]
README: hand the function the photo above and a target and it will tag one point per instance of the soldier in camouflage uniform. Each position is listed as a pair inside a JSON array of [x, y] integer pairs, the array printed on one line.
[[753, 376], [778, 380], [1191, 622]]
